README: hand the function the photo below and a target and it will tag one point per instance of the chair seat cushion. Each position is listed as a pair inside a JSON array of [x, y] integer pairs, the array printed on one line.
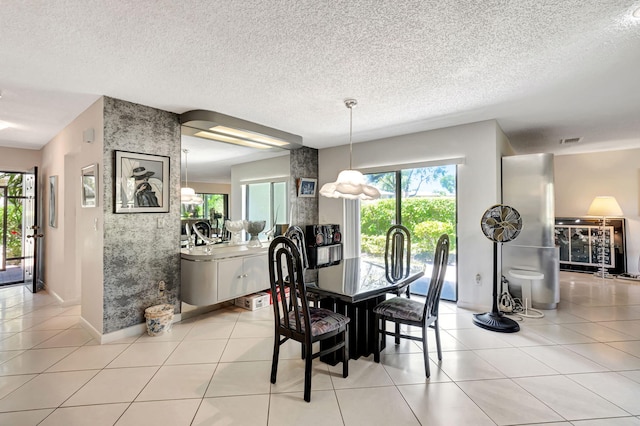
[[322, 320], [401, 308]]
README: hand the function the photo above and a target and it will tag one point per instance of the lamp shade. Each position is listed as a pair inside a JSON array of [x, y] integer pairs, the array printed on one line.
[[187, 192], [188, 196], [351, 185], [604, 206]]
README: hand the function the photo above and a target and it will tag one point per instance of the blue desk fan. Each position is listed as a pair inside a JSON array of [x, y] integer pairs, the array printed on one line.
[[500, 224]]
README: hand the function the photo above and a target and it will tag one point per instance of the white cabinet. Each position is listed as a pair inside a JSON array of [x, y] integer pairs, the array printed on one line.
[[199, 280], [240, 276], [222, 274]]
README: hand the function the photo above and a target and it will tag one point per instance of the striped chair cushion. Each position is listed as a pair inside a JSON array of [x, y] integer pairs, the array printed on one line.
[[401, 308], [322, 320]]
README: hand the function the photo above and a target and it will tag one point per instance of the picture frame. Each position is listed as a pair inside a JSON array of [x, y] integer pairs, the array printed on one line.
[[53, 195], [307, 187], [89, 186], [141, 183]]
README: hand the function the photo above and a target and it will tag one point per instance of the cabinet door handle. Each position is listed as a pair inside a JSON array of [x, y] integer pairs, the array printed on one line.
[[243, 276]]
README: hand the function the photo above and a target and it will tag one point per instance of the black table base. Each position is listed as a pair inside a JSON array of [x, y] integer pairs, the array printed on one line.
[[362, 338]]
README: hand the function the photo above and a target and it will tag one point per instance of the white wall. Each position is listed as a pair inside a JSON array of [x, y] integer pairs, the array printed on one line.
[[73, 250], [211, 188], [482, 145], [581, 177], [19, 160], [256, 171]]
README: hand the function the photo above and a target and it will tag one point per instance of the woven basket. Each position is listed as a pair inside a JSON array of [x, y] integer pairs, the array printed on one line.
[[159, 319]]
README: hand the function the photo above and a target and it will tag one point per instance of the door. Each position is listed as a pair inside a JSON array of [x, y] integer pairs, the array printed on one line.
[[424, 200], [31, 230]]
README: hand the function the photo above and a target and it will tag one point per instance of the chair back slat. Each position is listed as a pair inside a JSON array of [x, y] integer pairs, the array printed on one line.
[[286, 272], [397, 253], [281, 285], [295, 234], [440, 259]]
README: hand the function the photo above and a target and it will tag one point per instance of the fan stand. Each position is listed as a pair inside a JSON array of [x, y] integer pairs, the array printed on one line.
[[495, 320]]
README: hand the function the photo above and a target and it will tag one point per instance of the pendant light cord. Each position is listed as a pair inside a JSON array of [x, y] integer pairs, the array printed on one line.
[[350, 138], [186, 168], [350, 103]]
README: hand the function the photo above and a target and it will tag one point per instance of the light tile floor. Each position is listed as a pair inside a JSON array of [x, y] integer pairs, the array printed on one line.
[[579, 365]]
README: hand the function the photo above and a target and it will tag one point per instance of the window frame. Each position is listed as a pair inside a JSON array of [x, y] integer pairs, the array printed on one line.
[[246, 194]]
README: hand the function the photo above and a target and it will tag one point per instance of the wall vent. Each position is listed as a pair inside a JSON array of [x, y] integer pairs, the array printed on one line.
[[569, 141]]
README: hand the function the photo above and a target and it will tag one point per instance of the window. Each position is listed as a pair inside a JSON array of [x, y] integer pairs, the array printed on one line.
[[266, 201], [214, 208], [422, 199]]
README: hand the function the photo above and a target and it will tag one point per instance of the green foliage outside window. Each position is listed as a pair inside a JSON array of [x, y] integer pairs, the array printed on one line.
[[213, 207], [13, 184], [426, 218]]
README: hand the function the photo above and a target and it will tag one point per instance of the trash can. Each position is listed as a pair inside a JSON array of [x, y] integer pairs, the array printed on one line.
[[159, 319]]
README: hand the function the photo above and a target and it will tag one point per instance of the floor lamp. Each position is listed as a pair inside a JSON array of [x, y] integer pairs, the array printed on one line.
[[604, 207]]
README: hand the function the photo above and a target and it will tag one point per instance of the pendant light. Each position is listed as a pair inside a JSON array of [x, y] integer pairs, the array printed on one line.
[[188, 195], [350, 183]]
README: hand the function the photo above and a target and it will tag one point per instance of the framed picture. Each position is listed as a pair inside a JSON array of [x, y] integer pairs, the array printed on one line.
[[89, 189], [141, 183], [307, 187], [53, 195]]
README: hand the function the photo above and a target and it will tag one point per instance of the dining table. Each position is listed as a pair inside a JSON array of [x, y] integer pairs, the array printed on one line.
[[353, 288]]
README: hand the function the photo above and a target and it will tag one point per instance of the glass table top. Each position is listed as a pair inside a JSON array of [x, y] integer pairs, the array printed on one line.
[[358, 279]]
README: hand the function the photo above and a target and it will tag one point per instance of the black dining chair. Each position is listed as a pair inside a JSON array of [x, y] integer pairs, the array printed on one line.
[[295, 319], [411, 312], [296, 234]]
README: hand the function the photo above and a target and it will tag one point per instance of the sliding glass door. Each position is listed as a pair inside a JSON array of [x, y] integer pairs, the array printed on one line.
[[422, 199]]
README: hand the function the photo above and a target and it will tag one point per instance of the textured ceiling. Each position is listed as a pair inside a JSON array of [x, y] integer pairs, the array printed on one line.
[[544, 69]]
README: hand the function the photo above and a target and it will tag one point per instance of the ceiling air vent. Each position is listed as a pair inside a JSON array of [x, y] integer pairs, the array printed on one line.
[[569, 141]]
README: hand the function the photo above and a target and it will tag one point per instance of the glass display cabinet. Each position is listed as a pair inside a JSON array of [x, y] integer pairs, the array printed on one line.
[[578, 240]]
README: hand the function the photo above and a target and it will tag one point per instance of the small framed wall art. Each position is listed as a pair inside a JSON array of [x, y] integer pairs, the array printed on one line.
[[307, 187], [53, 202], [89, 189]]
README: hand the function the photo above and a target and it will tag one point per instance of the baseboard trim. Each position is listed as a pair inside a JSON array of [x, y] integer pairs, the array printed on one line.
[[190, 311], [60, 300], [132, 331], [471, 307]]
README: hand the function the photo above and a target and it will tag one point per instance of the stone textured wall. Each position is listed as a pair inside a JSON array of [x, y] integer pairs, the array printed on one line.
[[304, 210], [304, 164], [137, 252]]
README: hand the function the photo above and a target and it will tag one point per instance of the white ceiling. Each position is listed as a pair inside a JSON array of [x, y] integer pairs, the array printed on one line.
[[544, 69]]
